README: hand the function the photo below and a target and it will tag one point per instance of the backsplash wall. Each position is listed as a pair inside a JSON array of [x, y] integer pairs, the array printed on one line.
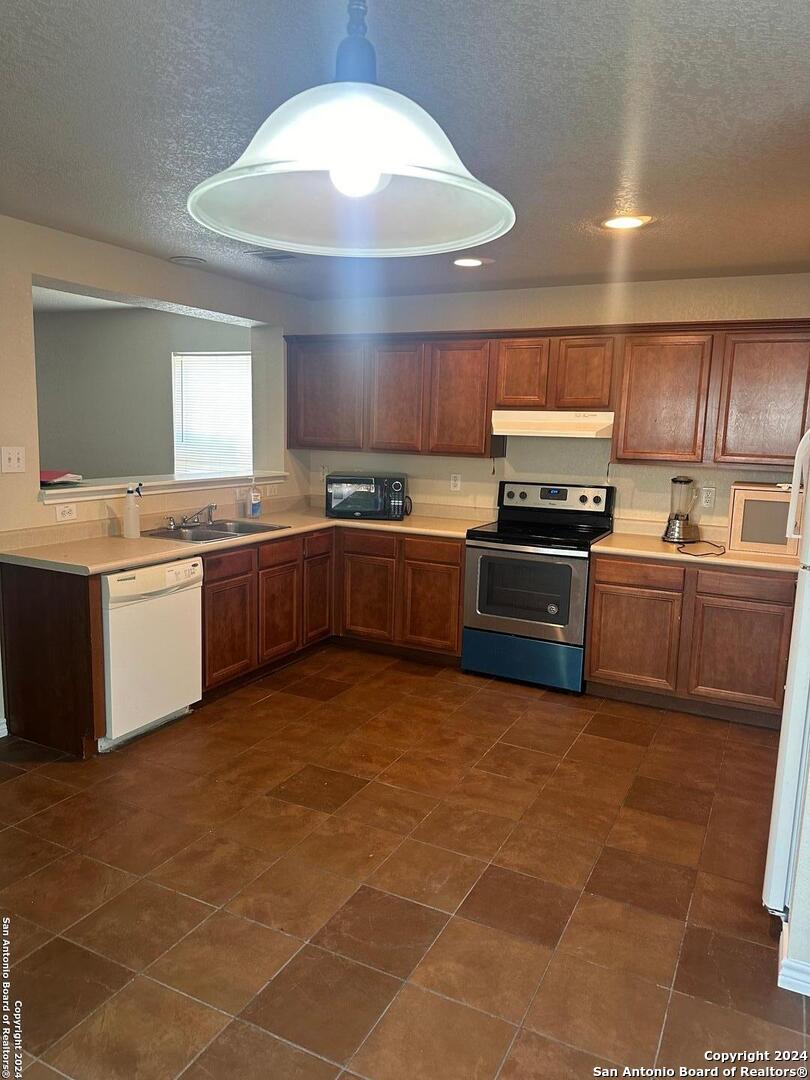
[[642, 491]]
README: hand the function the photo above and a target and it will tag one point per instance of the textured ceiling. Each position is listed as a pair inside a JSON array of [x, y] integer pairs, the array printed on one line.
[[696, 112]]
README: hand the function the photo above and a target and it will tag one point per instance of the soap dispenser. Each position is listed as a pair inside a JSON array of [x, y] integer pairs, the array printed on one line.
[[255, 500], [132, 512]]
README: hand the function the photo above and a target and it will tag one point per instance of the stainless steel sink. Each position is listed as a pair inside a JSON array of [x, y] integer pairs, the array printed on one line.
[[209, 534], [245, 528], [189, 534]]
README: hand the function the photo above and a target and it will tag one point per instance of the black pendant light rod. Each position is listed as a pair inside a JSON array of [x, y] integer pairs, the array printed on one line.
[[356, 59]]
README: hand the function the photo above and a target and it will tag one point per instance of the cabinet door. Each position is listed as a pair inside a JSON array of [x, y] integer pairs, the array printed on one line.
[[522, 378], [229, 628], [459, 397], [317, 598], [430, 605], [662, 413], [396, 375], [279, 611], [369, 583], [739, 651], [584, 373], [634, 636], [326, 395], [763, 398]]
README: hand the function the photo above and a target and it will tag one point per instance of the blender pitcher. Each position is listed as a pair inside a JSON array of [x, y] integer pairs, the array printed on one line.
[[683, 496]]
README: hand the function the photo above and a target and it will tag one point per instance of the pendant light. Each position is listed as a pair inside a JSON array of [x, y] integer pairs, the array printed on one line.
[[354, 169]]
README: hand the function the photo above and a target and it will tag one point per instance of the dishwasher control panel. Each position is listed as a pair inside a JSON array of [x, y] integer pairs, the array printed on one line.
[[183, 573]]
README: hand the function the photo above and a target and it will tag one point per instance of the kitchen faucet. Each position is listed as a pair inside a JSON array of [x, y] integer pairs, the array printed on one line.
[[194, 518]]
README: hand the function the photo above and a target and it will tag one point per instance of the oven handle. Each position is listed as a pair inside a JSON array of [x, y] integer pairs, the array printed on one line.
[[529, 550]]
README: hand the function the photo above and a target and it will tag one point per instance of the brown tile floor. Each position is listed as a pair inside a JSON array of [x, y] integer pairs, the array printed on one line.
[[364, 867]]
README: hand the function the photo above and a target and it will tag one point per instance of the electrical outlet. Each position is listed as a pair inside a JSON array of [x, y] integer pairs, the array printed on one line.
[[13, 459], [65, 512], [707, 498], [455, 481]]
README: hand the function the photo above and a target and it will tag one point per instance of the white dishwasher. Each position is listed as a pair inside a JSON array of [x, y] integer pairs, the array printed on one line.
[[152, 645]]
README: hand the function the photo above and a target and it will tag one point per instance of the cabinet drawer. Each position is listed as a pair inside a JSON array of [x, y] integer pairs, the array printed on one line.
[[369, 543], [438, 551], [319, 543], [280, 551], [229, 564], [638, 572], [778, 589]]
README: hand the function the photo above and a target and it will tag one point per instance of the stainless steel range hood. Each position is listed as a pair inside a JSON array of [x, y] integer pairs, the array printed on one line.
[[559, 424]]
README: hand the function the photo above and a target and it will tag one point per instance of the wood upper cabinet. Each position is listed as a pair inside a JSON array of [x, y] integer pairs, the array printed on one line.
[[763, 398], [325, 389], [229, 628], [662, 412], [396, 389], [460, 397], [522, 373], [583, 372], [279, 611]]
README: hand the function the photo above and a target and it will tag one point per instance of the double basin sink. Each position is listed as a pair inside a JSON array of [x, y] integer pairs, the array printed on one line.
[[217, 530]]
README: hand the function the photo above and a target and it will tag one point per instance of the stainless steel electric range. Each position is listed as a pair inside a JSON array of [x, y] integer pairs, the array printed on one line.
[[526, 582]]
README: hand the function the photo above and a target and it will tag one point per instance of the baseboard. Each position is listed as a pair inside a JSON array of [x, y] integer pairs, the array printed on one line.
[[793, 974], [713, 710]]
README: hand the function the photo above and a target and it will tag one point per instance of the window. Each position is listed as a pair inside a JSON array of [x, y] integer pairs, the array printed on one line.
[[213, 413]]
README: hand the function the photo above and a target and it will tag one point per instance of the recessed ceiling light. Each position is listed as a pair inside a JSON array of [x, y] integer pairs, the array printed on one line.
[[627, 221], [472, 262], [187, 260]]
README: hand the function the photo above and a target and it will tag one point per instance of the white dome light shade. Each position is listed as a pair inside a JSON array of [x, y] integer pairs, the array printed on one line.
[[351, 169]]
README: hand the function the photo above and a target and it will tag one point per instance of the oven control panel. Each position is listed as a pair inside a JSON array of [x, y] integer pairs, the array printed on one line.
[[556, 497]]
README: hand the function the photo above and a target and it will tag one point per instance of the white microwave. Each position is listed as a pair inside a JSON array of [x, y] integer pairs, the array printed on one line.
[[758, 518]]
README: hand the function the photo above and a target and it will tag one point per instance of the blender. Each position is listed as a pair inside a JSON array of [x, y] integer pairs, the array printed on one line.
[[683, 496]]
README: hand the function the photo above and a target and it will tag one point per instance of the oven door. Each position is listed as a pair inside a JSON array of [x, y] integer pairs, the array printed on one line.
[[526, 591]]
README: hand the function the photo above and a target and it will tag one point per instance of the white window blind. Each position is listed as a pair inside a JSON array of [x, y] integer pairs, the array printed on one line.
[[213, 413]]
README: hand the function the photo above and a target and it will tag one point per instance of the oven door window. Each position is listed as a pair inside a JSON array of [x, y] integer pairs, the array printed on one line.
[[533, 591], [355, 498]]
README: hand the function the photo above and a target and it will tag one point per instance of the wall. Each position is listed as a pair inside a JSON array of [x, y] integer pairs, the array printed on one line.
[[104, 386], [776, 296], [51, 257], [642, 491]]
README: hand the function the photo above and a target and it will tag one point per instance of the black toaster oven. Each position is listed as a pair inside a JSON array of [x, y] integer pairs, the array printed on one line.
[[360, 495]]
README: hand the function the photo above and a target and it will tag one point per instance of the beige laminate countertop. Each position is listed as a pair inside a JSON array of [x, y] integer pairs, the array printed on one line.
[[107, 554], [652, 547]]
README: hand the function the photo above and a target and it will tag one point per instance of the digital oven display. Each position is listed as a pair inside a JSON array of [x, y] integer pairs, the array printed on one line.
[[557, 494]]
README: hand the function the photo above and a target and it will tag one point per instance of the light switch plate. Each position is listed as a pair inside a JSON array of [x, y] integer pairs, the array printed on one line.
[[13, 459]]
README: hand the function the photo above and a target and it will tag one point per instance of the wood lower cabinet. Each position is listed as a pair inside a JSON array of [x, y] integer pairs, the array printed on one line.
[[763, 398], [317, 591], [369, 595], [229, 628], [397, 383], [634, 636], [665, 384], [430, 605], [522, 373], [402, 589], [719, 635], [279, 611]]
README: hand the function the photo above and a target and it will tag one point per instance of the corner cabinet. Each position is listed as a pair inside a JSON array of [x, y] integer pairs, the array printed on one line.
[[664, 395], [719, 636], [401, 589], [326, 395]]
